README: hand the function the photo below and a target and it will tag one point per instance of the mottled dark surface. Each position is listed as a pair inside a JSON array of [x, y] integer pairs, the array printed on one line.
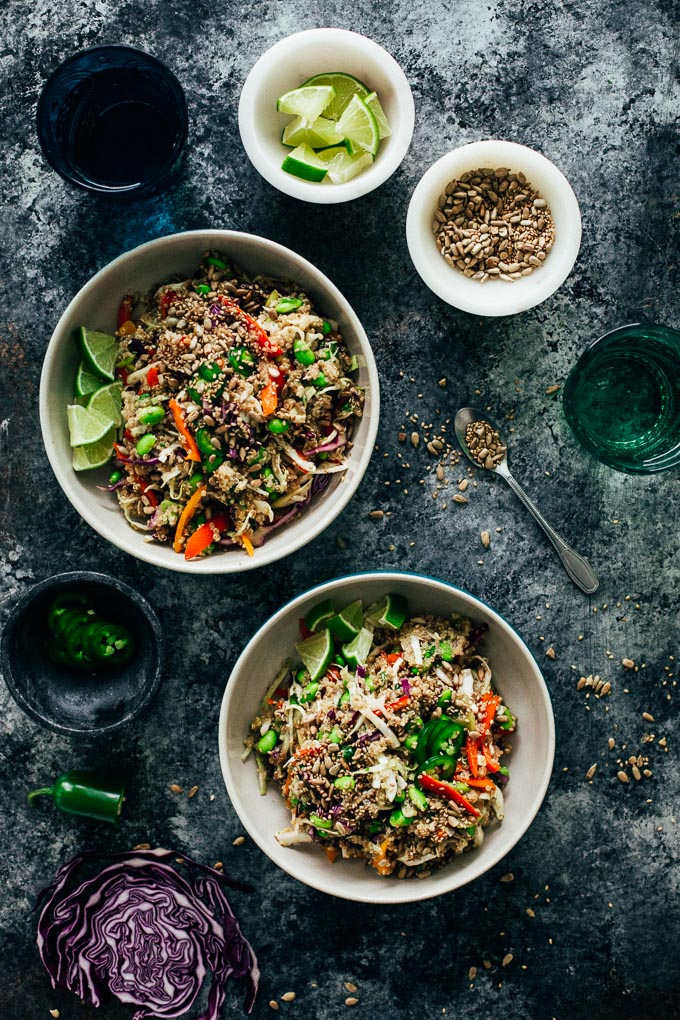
[[594, 86]]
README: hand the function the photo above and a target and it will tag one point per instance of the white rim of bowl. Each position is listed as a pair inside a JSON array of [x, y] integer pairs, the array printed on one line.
[[267, 553], [407, 892], [363, 183], [451, 286]]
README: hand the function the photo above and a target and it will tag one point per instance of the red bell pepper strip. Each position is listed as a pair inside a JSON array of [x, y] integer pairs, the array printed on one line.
[[446, 790], [261, 337], [152, 377], [393, 657], [471, 752], [192, 449], [277, 377], [125, 310], [401, 702], [482, 783], [167, 298], [491, 764]]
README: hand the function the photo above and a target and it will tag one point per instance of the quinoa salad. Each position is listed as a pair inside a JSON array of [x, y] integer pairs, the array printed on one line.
[[237, 407], [387, 739]]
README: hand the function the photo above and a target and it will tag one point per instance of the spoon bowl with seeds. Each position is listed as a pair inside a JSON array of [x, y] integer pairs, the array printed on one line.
[[483, 444]]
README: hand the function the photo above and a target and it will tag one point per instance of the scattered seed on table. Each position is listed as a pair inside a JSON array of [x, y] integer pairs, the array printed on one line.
[[192, 792], [442, 382], [218, 866], [350, 986], [239, 841], [622, 777], [377, 515], [606, 688], [460, 499], [611, 743], [273, 1004], [351, 1000], [463, 484], [507, 877], [591, 772], [648, 717], [288, 996], [508, 958], [637, 775], [176, 788], [55, 1013], [550, 652], [530, 912], [628, 663], [553, 389], [485, 539]]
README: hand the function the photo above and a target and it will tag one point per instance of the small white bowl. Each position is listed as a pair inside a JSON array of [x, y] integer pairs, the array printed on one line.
[[494, 297], [515, 675], [286, 66], [96, 306]]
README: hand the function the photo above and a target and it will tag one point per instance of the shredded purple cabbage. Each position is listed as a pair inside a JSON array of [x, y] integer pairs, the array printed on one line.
[[335, 444], [145, 931], [405, 685]]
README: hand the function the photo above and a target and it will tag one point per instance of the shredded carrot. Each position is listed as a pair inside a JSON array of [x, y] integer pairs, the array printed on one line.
[[491, 764], [269, 398], [380, 862], [331, 853], [471, 751], [286, 785], [246, 541], [192, 449], [186, 515], [393, 657]]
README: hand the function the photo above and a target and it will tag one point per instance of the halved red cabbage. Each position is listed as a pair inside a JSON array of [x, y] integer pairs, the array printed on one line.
[[144, 931]]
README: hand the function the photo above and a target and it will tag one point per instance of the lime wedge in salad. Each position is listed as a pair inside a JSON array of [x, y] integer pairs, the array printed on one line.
[[308, 102], [86, 382], [390, 612], [94, 455], [86, 426], [98, 351], [359, 127], [343, 166], [357, 650], [347, 624], [316, 653], [107, 401], [373, 103], [319, 614], [320, 133], [304, 163], [344, 86]]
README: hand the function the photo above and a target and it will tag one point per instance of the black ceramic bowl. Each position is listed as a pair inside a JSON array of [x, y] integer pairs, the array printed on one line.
[[78, 701]]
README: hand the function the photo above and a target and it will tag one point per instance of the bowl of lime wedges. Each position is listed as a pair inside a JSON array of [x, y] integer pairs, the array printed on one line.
[[326, 115]]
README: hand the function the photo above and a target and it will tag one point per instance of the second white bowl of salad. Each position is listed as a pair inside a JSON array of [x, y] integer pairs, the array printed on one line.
[[386, 738], [209, 402]]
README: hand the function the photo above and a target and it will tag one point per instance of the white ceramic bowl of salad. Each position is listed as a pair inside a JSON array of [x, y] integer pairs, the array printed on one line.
[[515, 676], [494, 297], [290, 63], [96, 306]]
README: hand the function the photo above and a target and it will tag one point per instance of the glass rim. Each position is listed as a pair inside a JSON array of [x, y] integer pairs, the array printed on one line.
[[180, 105]]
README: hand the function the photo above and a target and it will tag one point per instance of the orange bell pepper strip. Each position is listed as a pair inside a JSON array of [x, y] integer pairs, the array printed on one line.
[[187, 513], [269, 398], [492, 702], [482, 783], [393, 657], [491, 764], [192, 449], [380, 862], [428, 782], [471, 752], [204, 536], [330, 852]]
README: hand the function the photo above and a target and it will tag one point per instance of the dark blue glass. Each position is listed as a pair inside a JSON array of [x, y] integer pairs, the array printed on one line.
[[113, 119]]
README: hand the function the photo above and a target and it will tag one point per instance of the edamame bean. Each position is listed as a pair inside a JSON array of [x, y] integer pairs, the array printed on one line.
[[267, 743], [145, 445]]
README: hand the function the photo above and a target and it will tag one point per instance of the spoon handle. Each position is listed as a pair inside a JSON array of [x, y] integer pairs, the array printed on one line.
[[578, 568]]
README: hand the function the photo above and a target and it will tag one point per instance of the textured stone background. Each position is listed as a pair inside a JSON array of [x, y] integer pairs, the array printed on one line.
[[594, 86]]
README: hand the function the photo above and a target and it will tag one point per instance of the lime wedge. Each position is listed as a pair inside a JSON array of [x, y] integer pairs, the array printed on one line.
[[98, 351], [85, 382], [359, 127], [389, 612], [318, 614], [344, 85], [320, 133], [316, 653], [347, 624], [373, 103], [107, 401], [342, 166], [94, 455], [304, 163], [86, 426], [308, 103], [357, 650]]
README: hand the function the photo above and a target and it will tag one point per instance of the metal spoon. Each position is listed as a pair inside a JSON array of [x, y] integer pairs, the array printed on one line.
[[576, 566]]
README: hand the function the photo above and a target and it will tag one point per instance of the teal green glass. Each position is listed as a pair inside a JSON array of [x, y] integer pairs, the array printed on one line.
[[622, 398]]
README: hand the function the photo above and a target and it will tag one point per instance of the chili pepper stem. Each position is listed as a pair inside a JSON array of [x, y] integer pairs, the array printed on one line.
[[44, 791]]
